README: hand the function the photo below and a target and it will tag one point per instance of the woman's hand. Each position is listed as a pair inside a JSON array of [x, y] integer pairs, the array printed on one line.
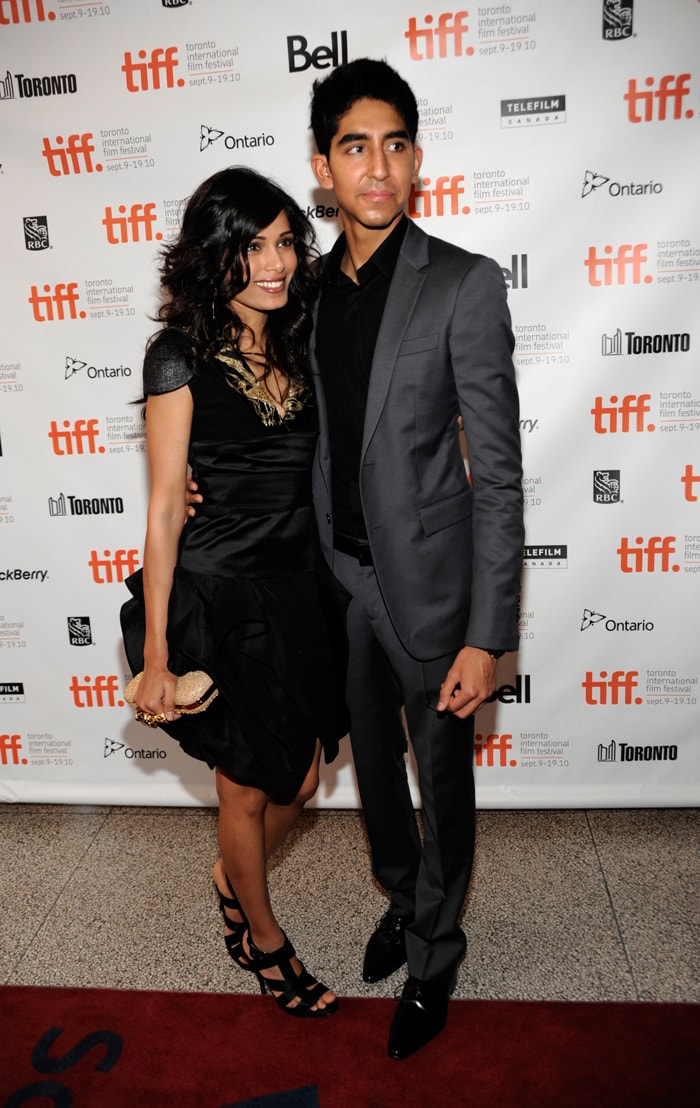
[[192, 497], [156, 694]]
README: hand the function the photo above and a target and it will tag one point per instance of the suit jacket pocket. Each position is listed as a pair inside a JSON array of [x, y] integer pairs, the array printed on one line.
[[419, 344], [446, 512]]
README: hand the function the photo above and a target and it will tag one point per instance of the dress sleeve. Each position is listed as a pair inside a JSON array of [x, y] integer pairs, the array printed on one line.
[[168, 364]]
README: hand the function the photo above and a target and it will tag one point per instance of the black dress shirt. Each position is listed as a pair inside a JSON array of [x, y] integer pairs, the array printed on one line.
[[349, 316]]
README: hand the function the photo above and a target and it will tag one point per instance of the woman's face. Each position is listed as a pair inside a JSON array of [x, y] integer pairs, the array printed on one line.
[[271, 259]]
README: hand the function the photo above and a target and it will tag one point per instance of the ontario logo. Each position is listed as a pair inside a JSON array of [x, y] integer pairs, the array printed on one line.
[[209, 135], [591, 618], [593, 181]]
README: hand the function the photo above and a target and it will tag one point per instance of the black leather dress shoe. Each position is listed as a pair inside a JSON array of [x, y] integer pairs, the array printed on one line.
[[421, 1013], [386, 949]]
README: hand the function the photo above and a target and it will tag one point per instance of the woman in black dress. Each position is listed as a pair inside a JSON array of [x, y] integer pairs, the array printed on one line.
[[240, 591]]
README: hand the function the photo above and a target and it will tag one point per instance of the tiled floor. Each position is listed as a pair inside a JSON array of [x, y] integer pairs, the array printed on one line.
[[564, 905]]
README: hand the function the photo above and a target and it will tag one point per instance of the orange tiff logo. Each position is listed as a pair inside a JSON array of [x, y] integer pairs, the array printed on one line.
[[450, 28], [492, 750], [446, 193], [127, 228], [58, 303], [614, 269], [96, 692], [618, 688], [79, 438], [112, 567], [652, 555], [71, 156], [689, 480], [10, 747], [653, 102], [23, 11], [624, 416], [145, 74]]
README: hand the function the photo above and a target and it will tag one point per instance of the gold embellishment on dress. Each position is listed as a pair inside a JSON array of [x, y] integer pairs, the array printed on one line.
[[243, 379]]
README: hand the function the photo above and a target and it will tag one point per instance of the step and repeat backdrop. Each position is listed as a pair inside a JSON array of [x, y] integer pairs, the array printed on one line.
[[560, 139]]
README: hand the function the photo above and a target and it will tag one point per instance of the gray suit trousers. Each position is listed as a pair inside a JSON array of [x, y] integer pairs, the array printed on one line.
[[425, 879]]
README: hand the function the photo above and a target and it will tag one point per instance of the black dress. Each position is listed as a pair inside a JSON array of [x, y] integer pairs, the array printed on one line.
[[252, 603]]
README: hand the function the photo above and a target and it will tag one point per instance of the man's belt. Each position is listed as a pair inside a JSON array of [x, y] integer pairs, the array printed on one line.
[[356, 548]]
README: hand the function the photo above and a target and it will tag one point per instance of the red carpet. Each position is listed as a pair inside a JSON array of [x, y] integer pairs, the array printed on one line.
[[101, 1048]]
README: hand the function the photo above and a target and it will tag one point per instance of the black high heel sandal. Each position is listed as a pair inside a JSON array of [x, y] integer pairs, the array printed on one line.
[[233, 941], [292, 986]]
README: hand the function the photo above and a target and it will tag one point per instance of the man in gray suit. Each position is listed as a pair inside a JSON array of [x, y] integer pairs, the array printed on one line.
[[412, 340]]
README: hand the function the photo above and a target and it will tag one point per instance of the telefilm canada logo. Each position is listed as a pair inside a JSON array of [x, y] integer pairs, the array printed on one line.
[[554, 556], [617, 19], [12, 692], [606, 486], [36, 232], [79, 631], [538, 111]]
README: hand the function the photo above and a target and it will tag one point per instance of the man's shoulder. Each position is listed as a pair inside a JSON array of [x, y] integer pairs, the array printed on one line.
[[445, 256]]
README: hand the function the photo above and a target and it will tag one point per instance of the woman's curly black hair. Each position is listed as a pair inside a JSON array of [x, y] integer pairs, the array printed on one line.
[[206, 267]]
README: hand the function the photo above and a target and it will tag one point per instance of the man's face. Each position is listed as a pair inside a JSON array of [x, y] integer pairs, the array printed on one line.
[[371, 165]]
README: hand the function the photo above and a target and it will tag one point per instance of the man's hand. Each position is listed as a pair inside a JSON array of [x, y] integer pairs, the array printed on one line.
[[192, 497], [470, 681]]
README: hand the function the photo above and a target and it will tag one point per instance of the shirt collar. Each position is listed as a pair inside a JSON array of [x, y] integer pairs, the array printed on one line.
[[383, 260]]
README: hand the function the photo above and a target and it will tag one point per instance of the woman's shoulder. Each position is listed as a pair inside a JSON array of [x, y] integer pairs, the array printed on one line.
[[169, 362]]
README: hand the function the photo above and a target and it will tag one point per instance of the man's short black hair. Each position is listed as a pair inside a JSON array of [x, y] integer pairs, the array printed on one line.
[[364, 78]]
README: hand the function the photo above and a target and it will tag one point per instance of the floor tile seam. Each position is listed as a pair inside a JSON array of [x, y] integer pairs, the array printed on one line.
[[611, 902], [52, 907]]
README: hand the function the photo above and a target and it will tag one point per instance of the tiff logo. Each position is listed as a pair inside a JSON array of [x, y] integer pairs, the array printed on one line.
[[689, 480], [617, 689], [64, 159], [111, 568], [670, 88], [492, 750], [97, 692], [144, 76], [448, 189], [23, 11], [54, 305], [611, 418], [126, 228], [650, 557], [421, 41], [10, 747], [609, 270], [74, 440]]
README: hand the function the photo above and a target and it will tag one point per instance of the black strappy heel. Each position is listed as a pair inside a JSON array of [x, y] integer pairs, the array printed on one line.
[[292, 986], [233, 941]]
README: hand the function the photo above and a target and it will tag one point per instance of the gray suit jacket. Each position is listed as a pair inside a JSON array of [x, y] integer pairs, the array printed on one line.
[[447, 553]]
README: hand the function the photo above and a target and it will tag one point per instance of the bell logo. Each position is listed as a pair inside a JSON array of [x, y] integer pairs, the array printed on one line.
[[492, 750], [145, 76], [617, 689], [23, 11], [64, 159], [651, 557], [689, 480], [10, 747], [126, 228], [612, 417], [446, 189], [81, 438], [96, 692], [653, 102], [323, 57], [111, 568], [54, 305], [421, 41], [609, 270]]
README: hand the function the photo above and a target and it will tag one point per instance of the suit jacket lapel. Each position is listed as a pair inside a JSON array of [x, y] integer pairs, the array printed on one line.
[[405, 287]]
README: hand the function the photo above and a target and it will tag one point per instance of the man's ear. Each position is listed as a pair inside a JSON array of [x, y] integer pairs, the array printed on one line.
[[322, 171], [417, 162]]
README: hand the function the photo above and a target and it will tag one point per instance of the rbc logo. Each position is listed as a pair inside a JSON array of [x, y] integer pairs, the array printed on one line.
[[425, 38], [323, 57]]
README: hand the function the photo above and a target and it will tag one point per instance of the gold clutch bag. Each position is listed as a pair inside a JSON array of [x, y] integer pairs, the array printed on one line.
[[194, 693]]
